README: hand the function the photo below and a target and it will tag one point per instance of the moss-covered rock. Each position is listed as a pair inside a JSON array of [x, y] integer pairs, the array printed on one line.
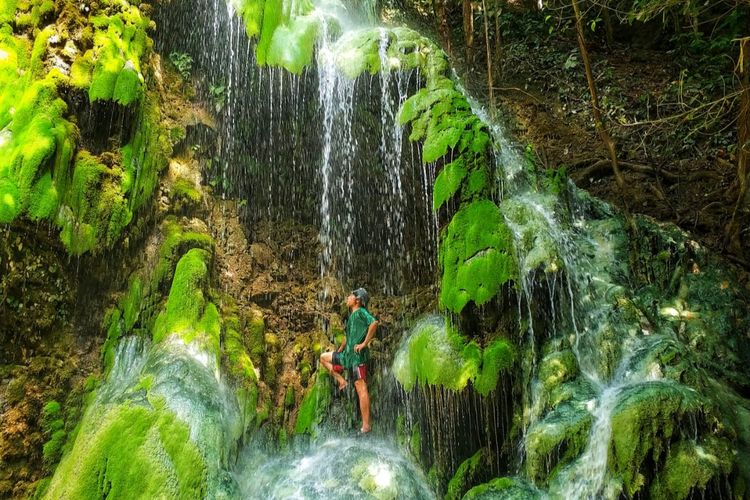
[[690, 466], [645, 420], [314, 405], [94, 201], [433, 353], [476, 256], [188, 313], [131, 451], [556, 440], [504, 488], [469, 473]]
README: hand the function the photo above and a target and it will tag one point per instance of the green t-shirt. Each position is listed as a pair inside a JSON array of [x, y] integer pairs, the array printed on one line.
[[356, 331]]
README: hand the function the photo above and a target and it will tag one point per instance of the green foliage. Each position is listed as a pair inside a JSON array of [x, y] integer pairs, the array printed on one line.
[[218, 95], [476, 256], [183, 62]]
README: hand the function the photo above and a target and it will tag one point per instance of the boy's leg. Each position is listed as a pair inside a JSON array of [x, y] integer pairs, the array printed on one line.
[[364, 403], [326, 359]]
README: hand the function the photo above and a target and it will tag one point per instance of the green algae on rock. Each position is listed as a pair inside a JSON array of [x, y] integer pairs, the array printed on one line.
[[435, 354], [131, 451], [94, 201], [504, 488], [468, 474], [476, 256], [314, 405]]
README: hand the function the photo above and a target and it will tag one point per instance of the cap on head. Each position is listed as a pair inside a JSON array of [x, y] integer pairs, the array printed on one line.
[[361, 295]]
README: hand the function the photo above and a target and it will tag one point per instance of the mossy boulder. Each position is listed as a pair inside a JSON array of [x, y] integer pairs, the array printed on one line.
[[131, 451], [556, 440], [433, 353], [314, 405], [504, 488], [690, 466], [470, 473], [476, 256], [646, 419]]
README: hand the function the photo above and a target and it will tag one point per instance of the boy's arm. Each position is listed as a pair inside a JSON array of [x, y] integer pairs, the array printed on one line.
[[368, 338], [343, 344]]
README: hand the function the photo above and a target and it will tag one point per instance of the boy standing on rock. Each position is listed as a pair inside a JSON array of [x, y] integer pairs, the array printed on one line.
[[354, 352]]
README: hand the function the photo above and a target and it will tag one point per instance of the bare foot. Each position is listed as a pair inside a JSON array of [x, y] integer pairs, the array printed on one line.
[[365, 430], [342, 383]]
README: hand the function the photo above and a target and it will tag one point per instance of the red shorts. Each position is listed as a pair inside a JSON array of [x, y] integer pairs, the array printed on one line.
[[358, 372]]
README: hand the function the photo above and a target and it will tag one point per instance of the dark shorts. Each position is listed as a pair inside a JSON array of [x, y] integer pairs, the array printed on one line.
[[359, 372]]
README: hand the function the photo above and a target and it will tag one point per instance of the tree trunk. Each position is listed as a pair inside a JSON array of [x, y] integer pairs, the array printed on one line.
[[498, 43], [468, 12], [742, 207], [490, 84], [599, 122], [442, 25]]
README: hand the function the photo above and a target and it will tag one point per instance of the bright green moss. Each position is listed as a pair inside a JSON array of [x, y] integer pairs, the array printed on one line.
[[476, 256], [183, 190], [131, 304], [435, 354], [285, 29], [497, 358], [7, 10], [131, 451], [468, 474], [256, 335], [36, 138], [114, 327], [120, 42], [176, 241], [10, 201], [30, 13], [145, 156], [314, 405], [448, 182], [240, 364], [187, 312], [94, 209]]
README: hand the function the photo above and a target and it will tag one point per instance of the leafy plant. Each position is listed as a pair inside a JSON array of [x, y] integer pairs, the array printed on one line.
[[183, 62], [218, 95]]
